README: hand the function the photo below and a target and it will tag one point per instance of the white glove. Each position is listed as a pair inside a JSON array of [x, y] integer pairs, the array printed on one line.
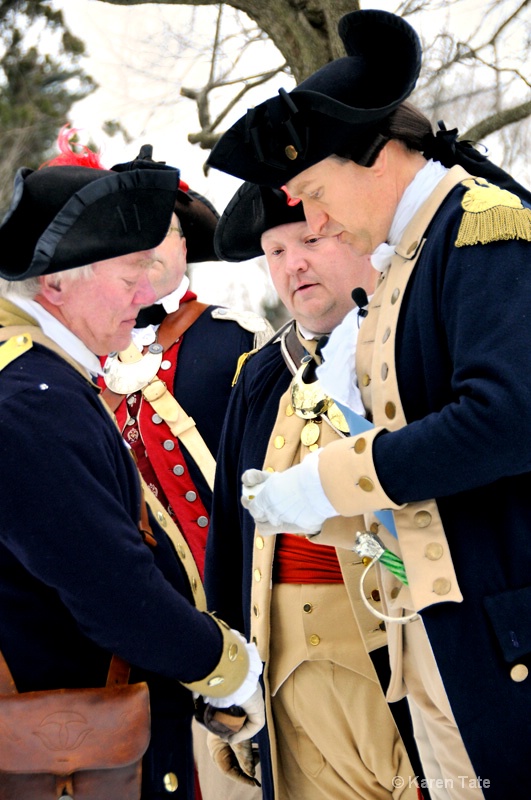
[[248, 697], [248, 687], [287, 502]]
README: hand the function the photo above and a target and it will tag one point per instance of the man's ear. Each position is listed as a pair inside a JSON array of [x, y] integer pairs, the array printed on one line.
[[381, 160], [183, 240], [51, 289]]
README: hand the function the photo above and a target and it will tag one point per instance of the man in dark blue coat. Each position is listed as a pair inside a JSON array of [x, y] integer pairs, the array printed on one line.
[[202, 345], [298, 602], [84, 573], [443, 370]]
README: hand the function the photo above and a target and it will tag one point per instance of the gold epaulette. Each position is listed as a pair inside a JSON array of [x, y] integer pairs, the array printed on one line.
[[14, 347], [491, 214], [241, 361]]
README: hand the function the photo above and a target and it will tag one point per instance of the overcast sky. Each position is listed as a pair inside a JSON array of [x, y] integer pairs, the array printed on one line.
[[139, 86]]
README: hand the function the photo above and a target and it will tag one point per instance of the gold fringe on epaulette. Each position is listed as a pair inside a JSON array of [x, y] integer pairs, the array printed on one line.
[[493, 225], [241, 361], [491, 214]]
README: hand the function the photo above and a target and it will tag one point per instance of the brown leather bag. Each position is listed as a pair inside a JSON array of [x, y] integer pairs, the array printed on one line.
[[85, 744]]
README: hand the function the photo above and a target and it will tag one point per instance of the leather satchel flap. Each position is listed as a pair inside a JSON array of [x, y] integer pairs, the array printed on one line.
[[66, 730]]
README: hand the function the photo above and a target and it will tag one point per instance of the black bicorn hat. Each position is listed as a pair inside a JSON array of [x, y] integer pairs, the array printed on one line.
[[197, 215], [68, 216], [335, 110], [252, 211]]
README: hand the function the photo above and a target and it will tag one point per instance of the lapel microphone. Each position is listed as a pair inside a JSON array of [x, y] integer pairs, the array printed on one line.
[[359, 296]]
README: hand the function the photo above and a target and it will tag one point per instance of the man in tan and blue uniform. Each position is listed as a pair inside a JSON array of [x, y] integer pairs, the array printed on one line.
[[330, 732], [442, 364]]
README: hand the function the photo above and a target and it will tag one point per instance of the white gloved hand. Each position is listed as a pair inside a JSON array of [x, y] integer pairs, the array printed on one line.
[[248, 697], [254, 708], [287, 502]]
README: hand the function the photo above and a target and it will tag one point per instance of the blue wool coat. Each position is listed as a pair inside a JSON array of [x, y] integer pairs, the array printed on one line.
[[77, 581], [462, 353], [250, 418], [203, 364]]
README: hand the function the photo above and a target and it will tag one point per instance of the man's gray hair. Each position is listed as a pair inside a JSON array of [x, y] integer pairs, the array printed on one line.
[[30, 287]]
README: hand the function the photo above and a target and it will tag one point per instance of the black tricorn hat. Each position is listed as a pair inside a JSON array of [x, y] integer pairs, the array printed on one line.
[[335, 110], [252, 210], [197, 215], [67, 216]]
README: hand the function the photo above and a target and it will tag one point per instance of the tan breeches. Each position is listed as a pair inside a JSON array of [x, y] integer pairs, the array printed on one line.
[[336, 738], [447, 768]]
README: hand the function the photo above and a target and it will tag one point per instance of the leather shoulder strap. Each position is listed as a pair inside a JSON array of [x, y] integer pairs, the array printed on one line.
[[175, 324], [291, 348], [7, 684]]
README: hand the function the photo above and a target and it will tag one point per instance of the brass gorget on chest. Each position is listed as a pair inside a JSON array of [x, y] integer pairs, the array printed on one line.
[[309, 402], [130, 370]]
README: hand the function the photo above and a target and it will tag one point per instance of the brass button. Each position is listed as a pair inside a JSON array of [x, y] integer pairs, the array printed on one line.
[[279, 442], [433, 551], [257, 575], [385, 371], [365, 380], [313, 447], [310, 433], [441, 586], [259, 542], [170, 782], [360, 445], [390, 410], [217, 680], [289, 410], [412, 247], [395, 591], [366, 484], [307, 608], [162, 519], [21, 340], [193, 583], [375, 594], [268, 469], [395, 296], [387, 334], [256, 611], [181, 551], [233, 651], [291, 152], [519, 673], [422, 519], [314, 639]]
